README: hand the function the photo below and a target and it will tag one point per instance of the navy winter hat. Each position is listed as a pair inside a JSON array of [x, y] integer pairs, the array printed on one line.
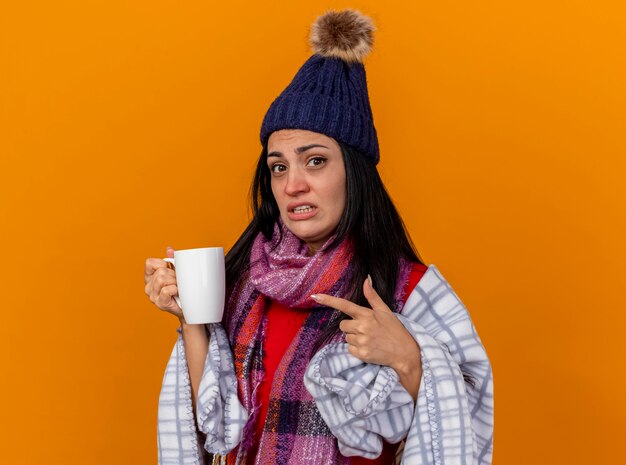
[[329, 93]]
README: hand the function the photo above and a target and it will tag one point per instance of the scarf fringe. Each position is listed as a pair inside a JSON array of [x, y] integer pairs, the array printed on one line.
[[219, 460]]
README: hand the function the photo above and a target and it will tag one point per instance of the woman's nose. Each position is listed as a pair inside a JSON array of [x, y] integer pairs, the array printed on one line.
[[296, 182]]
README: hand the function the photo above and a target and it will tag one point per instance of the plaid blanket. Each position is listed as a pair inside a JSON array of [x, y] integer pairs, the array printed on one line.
[[451, 422]]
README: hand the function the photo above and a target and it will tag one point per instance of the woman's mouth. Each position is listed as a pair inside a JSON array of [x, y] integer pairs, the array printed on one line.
[[302, 212]]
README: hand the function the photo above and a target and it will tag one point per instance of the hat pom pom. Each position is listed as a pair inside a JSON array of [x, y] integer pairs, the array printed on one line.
[[346, 34]]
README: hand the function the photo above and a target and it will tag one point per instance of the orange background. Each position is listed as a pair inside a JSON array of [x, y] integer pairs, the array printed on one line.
[[129, 126]]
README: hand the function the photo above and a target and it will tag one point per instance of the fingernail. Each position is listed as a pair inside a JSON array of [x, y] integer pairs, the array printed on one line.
[[369, 278], [315, 297]]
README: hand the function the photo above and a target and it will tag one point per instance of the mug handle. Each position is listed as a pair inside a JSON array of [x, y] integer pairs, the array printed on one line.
[[171, 260]]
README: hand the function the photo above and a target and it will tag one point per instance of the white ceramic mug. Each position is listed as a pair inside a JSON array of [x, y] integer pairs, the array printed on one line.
[[201, 282]]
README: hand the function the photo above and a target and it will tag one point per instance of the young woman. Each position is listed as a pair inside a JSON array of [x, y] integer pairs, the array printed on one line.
[[315, 288]]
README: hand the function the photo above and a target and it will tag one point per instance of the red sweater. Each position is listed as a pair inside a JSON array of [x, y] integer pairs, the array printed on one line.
[[282, 326]]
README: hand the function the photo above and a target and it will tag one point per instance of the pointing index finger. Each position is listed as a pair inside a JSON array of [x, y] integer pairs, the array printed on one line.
[[349, 308]]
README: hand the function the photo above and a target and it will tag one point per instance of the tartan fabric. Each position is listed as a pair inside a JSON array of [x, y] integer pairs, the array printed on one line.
[[220, 415], [294, 432], [451, 423], [177, 434], [346, 407], [293, 425]]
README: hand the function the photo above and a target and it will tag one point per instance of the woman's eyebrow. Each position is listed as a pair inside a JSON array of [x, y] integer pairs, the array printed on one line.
[[299, 150]]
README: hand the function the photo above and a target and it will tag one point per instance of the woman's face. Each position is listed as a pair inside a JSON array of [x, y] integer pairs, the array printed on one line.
[[308, 182]]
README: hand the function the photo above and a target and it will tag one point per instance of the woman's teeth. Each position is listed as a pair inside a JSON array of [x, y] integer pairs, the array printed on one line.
[[302, 209]]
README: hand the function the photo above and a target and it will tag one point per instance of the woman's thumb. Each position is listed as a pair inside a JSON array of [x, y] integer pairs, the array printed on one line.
[[170, 251]]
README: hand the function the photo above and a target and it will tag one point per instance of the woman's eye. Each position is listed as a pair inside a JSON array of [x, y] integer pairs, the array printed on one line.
[[317, 161], [277, 168]]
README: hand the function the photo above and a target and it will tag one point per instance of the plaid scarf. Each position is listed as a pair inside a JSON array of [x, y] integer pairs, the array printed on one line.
[[280, 270]]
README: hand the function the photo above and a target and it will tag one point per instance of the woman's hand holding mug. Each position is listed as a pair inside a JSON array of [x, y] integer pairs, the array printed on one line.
[[161, 285], [198, 276]]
